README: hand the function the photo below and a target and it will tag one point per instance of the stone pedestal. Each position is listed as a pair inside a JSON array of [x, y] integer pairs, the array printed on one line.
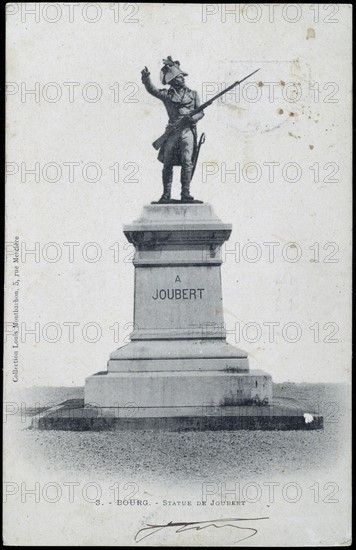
[[178, 355]]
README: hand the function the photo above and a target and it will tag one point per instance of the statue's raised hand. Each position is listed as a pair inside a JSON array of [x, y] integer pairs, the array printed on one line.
[[145, 73]]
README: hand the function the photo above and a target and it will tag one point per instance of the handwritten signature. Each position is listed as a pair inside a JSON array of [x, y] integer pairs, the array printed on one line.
[[179, 527]]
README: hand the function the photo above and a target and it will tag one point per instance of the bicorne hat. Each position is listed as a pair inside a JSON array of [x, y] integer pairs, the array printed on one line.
[[170, 70]]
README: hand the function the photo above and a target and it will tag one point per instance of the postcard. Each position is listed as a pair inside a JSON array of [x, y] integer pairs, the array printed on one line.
[[177, 329]]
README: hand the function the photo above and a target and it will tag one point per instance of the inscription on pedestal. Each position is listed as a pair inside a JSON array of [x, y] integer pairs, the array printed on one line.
[[177, 300], [178, 294]]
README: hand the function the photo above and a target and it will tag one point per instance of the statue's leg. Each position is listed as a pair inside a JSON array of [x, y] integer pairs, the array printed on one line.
[[167, 172], [186, 150], [167, 178]]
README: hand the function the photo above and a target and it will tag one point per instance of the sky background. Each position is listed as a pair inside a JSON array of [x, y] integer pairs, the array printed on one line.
[[90, 108]]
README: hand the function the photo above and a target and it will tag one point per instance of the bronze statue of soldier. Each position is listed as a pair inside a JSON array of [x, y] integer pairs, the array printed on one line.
[[179, 144]]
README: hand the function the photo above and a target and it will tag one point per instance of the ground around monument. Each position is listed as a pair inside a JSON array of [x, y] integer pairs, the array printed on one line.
[[184, 456]]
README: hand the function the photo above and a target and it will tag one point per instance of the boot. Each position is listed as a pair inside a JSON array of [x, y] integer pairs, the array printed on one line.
[[167, 177], [185, 178]]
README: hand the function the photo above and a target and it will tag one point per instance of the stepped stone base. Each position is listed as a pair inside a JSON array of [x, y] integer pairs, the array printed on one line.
[[178, 364], [178, 388], [74, 416]]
